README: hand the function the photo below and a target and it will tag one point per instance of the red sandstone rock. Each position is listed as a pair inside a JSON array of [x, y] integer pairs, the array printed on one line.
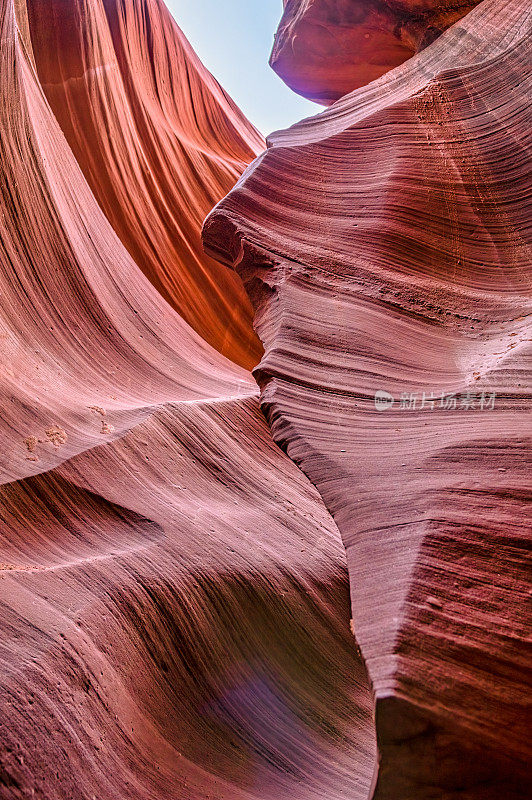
[[174, 602], [173, 594], [385, 247], [326, 48], [85, 337], [175, 619], [159, 143]]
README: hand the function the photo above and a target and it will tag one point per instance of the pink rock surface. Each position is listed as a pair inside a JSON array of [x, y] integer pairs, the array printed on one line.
[[174, 593], [175, 612], [174, 597], [85, 338], [384, 244]]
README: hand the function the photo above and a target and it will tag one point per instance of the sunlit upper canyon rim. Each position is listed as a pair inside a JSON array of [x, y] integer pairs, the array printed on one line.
[[266, 405]]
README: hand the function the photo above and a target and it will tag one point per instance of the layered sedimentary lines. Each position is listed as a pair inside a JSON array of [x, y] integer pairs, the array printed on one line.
[[173, 594], [385, 247], [159, 143], [175, 612], [325, 49], [88, 344]]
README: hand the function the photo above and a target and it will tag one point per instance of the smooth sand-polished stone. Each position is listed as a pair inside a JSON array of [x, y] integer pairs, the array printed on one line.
[[326, 48], [385, 246], [159, 143], [174, 600]]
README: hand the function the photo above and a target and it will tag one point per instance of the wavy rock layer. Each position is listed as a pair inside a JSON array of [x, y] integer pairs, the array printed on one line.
[[159, 143], [325, 49], [384, 246], [173, 594], [88, 345], [178, 606]]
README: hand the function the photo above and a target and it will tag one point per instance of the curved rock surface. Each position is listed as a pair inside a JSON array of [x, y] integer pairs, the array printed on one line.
[[88, 345], [159, 143], [174, 598], [325, 49], [176, 623], [386, 248]]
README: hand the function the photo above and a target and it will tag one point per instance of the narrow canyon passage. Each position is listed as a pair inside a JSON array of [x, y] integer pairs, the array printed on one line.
[[173, 594], [264, 491]]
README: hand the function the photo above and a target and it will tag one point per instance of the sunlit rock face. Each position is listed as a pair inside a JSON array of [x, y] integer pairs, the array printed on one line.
[[385, 247], [174, 599], [326, 48], [159, 143]]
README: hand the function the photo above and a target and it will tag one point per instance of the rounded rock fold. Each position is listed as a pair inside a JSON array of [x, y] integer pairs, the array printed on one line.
[[159, 143], [326, 48], [385, 247]]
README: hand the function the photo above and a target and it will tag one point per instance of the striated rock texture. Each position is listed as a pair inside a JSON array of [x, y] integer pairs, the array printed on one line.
[[175, 622], [159, 143], [326, 48], [385, 246], [174, 598]]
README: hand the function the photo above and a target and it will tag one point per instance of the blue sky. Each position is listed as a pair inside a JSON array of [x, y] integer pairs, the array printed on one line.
[[233, 38]]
